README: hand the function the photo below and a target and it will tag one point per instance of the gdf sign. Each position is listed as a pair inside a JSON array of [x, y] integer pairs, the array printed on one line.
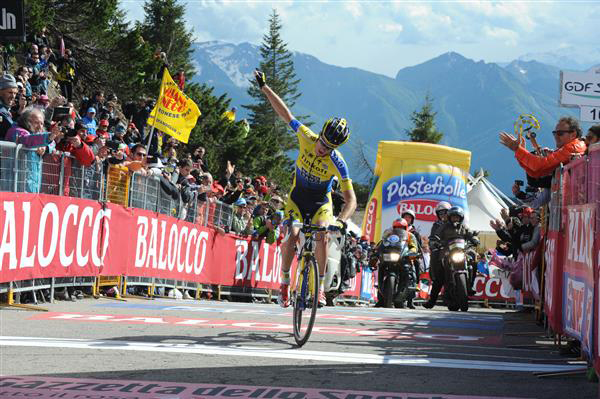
[[581, 89], [12, 21]]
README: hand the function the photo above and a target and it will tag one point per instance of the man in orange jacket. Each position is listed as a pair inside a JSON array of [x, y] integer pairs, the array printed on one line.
[[567, 135]]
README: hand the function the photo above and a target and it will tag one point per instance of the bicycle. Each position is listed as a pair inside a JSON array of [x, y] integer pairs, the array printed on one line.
[[306, 293]]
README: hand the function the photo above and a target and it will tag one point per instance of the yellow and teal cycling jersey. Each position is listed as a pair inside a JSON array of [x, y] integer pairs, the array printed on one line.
[[313, 179], [317, 173]]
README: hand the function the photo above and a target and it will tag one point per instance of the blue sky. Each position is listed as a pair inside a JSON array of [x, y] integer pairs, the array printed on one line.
[[384, 36]]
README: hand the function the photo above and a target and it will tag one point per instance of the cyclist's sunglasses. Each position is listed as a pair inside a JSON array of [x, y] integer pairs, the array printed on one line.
[[325, 145]]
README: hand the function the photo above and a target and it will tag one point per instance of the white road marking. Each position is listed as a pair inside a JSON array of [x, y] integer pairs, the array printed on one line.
[[297, 354]]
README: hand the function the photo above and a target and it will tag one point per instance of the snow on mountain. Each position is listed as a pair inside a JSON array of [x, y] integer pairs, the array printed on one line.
[[235, 60], [570, 58]]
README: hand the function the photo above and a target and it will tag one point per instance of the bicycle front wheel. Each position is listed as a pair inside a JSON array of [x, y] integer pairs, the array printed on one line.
[[306, 301]]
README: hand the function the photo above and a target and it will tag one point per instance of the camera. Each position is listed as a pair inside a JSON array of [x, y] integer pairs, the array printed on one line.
[[519, 183], [514, 211], [68, 132]]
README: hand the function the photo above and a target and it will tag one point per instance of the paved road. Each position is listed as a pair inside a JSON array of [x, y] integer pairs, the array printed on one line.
[[101, 349]]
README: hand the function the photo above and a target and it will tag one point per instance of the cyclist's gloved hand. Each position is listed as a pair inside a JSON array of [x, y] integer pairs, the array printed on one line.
[[260, 78]]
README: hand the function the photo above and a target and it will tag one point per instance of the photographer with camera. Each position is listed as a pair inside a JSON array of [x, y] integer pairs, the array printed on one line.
[[73, 142], [268, 227]]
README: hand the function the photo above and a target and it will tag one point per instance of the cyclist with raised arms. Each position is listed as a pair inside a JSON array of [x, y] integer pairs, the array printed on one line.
[[318, 163]]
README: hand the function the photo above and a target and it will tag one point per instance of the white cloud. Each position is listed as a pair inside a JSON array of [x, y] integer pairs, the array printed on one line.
[[509, 37], [391, 28], [386, 35], [354, 8]]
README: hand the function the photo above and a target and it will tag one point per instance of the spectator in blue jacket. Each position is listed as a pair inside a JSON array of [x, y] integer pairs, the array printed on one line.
[[90, 121]]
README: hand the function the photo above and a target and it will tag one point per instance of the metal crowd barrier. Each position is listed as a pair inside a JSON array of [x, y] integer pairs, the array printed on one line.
[[25, 170]]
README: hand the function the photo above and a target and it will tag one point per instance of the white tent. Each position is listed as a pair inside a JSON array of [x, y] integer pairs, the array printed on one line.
[[485, 203]]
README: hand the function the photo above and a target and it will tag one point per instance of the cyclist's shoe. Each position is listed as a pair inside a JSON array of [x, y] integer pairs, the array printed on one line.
[[283, 299], [322, 299]]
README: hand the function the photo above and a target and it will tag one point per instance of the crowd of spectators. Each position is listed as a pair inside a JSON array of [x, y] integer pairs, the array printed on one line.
[[519, 229], [38, 111]]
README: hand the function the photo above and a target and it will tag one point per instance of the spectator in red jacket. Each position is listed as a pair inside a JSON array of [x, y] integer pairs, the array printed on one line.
[[74, 143], [567, 135]]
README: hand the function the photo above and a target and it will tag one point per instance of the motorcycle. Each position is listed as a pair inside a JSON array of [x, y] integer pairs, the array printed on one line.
[[397, 269], [456, 267], [332, 281]]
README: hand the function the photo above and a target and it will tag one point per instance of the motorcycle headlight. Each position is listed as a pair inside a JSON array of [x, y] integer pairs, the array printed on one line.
[[457, 257], [391, 257]]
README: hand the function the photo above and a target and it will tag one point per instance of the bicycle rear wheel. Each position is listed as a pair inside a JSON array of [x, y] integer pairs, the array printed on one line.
[[306, 301]]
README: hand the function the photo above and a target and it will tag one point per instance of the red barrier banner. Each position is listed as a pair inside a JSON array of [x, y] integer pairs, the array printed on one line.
[[531, 262], [355, 284], [576, 187], [578, 279], [553, 280], [50, 236], [597, 293], [492, 289]]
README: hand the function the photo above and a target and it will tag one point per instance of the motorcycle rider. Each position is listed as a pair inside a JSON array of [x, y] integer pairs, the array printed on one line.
[[435, 262], [453, 228], [397, 226], [410, 217]]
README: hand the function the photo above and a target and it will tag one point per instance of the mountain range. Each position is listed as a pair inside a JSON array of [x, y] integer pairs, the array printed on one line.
[[474, 100]]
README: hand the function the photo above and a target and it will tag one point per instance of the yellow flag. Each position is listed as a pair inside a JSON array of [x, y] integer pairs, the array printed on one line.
[[174, 113]]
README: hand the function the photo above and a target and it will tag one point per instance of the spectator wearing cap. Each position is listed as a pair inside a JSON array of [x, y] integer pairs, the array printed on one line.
[[90, 120], [102, 129], [241, 222], [43, 102], [276, 203], [8, 93], [29, 132]]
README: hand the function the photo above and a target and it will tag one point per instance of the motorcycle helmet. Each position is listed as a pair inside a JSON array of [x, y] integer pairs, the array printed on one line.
[[400, 224], [335, 132], [442, 206], [456, 211], [411, 213]]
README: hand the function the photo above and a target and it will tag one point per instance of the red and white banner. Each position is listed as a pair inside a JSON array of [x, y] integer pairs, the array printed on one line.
[[531, 262], [492, 289], [50, 236], [578, 281]]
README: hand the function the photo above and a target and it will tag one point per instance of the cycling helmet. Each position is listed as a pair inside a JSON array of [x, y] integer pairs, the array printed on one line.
[[411, 213], [400, 224], [335, 132], [456, 211]]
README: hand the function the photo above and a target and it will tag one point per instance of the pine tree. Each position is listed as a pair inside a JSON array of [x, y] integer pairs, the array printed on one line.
[[164, 30], [425, 130], [271, 137]]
